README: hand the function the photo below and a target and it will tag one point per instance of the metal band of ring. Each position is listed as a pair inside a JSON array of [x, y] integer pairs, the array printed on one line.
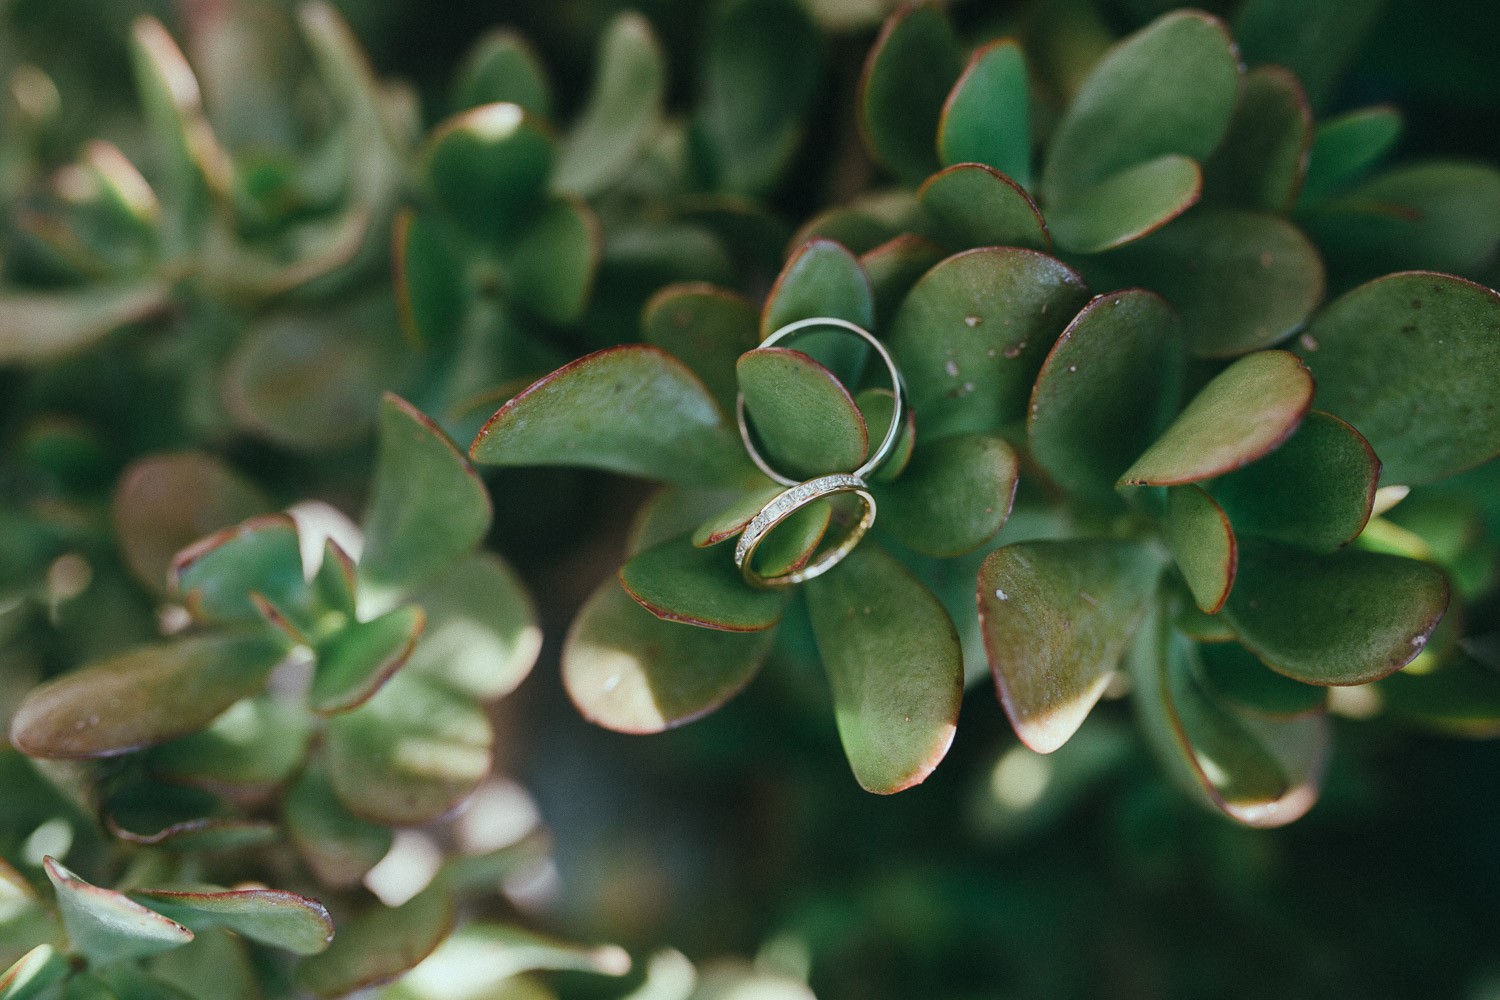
[[898, 389], [783, 506]]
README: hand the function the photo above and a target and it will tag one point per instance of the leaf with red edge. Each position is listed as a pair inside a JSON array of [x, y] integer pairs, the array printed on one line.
[[681, 582], [355, 661], [707, 328], [907, 76], [987, 116], [270, 916], [976, 206], [1203, 544], [107, 926], [804, 419], [380, 944], [1262, 160]]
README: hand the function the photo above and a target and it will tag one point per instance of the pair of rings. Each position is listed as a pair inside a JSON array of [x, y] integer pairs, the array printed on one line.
[[800, 494]]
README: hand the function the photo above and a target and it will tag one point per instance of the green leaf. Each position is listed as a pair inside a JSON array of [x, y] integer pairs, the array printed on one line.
[[354, 662], [502, 66], [1110, 386], [38, 327], [1459, 698], [894, 666], [1203, 544], [256, 743], [126, 981], [681, 582], [894, 267], [216, 576], [1196, 625], [1249, 685], [33, 974], [1248, 409], [907, 76], [805, 420], [1056, 618], [432, 295], [1261, 163], [379, 945], [484, 955], [821, 278], [731, 520], [634, 409], [954, 496], [487, 169], [876, 406], [155, 814], [623, 110], [1242, 280], [427, 508], [632, 672], [1409, 359], [1345, 148], [280, 919], [338, 846], [1170, 88], [987, 116], [1345, 618], [1126, 206], [216, 963], [482, 635], [707, 328], [1315, 42], [409, 754], [144, 696], [792, 543], [163, 502], [972, 334], [1315, 491], [760, 71], [106, 926], [977, 206]]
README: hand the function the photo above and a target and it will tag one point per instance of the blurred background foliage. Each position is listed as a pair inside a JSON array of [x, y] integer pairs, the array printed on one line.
[[1079, 874]]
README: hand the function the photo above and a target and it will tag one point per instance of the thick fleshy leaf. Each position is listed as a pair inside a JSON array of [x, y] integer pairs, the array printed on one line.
[[1126, 206], [1196, 625], [894, 267], [1459, 698], [731, 520], [487, 168], [1409, 359], [1315, 491], [1242, 280], [142, 697], [972, 333], [1436, 216], [215, 963], [1233, 673], [127, 981], [680, 582], [280, 919], [1265, 155], [36, 972], [38, 327], [484, 955], [409, 754], [482, 636], [502, 66], [427, 506], [821, 278], [1109, 387], [431, 292], [338, 846], [987, 117], [804, 419], [977, 206], [1261, 772], [1247, 410], [907, 76], [106, 926], [1203, 544], [760, 69], [954, 496], [258, 742], [1345, 618], [164, 502], [792, 543], [1315, 42], [877, 406], [155, 814], [1170, 88], [216, 576], [633, 409], [1056, 617], [355, 661], [1345, 148], [630, 671], [894, 665], [623, 109], [379, 945], [707, 328]]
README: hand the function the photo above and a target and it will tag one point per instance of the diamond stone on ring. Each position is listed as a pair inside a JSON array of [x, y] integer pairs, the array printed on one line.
[[787, 503]]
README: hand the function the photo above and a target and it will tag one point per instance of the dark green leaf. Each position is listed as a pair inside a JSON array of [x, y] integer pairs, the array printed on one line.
[[804, 419], [502, 66], [1314, 42], [432, 295], [1261, 163], [1056, 618], [338, 846], [1345, 618], [379, 945], [987, 117], [355, 661], [217, 577], [792, 543], [894, 267], [876, 406], [258, 742], [1126, 206], [36, 327], [487, 168], [1345, 148], [623, 110], [634, 409], [1109, 387], [1203, 544], [1247, 410], [1412, 361], [106, 926], [705, 327], [976, 206], [156, 814], [973, 332], [681, 582], [630, 671], [907, 76], [1459, 698], [894, 665], [551, 265], [1249, 685], [820, 279], [954, 496], [280, 919], [482, 635]]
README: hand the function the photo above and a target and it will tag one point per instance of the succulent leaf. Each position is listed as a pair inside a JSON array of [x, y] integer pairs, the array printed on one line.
[[107, 926], [954, 496], [33, 974], [987, 116], [482, 636], [487, 169], [1203, 543], [270, 916], [707, 328], [1345, 148], [1245, 683], [894, 267], [1263, 159], [338, 846], [680, 582], [805, 419], [503, 67], [256, 743], [1127, 205], [623, 110], [907, 77], [822, 278], [974, 205], [379, 945], [1315, 43], [36, 327], [431, 294], [357, 659]]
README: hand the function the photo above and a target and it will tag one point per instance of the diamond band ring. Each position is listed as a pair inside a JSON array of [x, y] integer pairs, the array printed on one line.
[[787, 503]]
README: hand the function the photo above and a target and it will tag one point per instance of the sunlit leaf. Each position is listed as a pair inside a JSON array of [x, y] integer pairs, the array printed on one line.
[[106, 926]]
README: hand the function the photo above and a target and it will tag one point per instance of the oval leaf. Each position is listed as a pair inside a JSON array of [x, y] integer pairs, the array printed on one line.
[[487, 168], [338, 846], [379, 945], [482, 636], [623, 109], [280, 919], [1127, 205], [359, 658], [894, 267], [1203, 544], [954, 496], [1249, 685], [681, 582], [1344, 148], [258, 742], [977, 206], [39, 327], [431, 293], [907, 76], [822, 278], [217, 577], [502, 66], [805, 420], [707, 328], [34, 974], [1263, 158], [987, 117], [107, 926]]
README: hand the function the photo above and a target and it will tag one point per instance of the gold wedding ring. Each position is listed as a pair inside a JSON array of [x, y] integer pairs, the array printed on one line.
[[783, 506]]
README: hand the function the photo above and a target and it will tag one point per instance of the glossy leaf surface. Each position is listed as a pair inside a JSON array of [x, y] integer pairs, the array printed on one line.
[[954, 496], [976, 206], [804, 419], [280, 919], [987, 116], [907, 76], [1126, 206], [680, 582], [877, 406], [1203, 544], [33, 974], [485, 955], [623, 108], [107, 926]]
